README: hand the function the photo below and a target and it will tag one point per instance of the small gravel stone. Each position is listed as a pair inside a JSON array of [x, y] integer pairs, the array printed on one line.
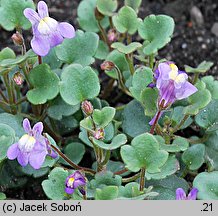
[[214, 29]]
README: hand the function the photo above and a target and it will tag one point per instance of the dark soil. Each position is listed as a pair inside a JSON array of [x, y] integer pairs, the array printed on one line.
[[193, 42]]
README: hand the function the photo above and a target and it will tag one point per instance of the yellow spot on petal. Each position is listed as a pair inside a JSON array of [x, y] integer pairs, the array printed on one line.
[[71, 181], [174, 72]]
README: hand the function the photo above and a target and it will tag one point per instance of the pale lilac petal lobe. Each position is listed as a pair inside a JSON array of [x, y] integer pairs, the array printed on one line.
[[43, 9], [164, 70], [38, 128], [193, 194], [55, 39], [22, 158], [186, 90], [66, 30], [36, 159], [31, 15], [26, 125], [13, 151], [40, 46], [180, 194]]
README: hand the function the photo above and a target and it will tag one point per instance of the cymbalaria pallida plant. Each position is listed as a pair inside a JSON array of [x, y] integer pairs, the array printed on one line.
[[112, 120]]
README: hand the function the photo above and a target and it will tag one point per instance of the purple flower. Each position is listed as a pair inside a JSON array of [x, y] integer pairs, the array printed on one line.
[[47, 31], [31, 147], [172, 85], [73, 181], [181, 195]]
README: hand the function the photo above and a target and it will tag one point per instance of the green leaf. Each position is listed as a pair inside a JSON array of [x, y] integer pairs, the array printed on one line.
[[207, 185], [59, 108], [43, 89], [134, 120], [203, 67], [80, 49], [2, 196], [149, 99], [52, 60], [11, 14], [75, 151], [208, 118], [107, 7], [170, 167], [116, 143], [102, 51], [126, 49], [7, 53], [178, 145], [134, 4], [199, 100], [28, 170], [193, 157], [212, 151], [14, 121], [7, 138], [167, 187], [157, 31], [142, 77], [86, 16], [107, 193], [87, 123], [105, 179], [73, 89], [177, 115], [144, 152], [211, 85], [54, 186], [103, 117], [126, 20]]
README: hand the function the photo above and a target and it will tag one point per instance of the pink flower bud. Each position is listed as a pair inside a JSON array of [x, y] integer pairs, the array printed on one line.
[[99, 134], [18, 78], [107, 65], [87, 107], [112, 35], [17, 39]]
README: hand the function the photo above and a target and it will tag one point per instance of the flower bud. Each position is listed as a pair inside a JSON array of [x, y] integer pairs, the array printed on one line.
[[107, 65], [98, 15], [99, 134], [18, 78], [112, 35], [17, 39], [87, 107]]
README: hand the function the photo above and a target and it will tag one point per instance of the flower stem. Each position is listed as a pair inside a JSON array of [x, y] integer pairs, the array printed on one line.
[[130, 63], [180, 124], [75, 166], [151, 61], [104, 35], [155, 122], [39, 59], [121, 171], [132, 178], [196, 76], [3, 96], [142, 179]]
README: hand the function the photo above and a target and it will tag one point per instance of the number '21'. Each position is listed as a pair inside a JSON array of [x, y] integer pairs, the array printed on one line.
[[207, 207]]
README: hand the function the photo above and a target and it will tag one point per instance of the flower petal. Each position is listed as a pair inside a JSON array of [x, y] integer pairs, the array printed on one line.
[[185, 91], [193, 194], [26, 125], [22, 158], [13, 151], [164, 70], [79, 182], [66, 30], [31, 15], [42, 9], [36, 159], [180, 194], [55, 39], [40, 45], [69, 190], [37, 129]]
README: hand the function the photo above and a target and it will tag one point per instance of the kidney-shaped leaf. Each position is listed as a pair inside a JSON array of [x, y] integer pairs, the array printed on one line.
[[157, 31], [144, 152], [107, 7], [45, 85], [78, 84]]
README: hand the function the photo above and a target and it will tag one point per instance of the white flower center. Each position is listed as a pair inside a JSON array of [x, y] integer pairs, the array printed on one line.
[[174, 74], [47, 25], [26, 143]]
